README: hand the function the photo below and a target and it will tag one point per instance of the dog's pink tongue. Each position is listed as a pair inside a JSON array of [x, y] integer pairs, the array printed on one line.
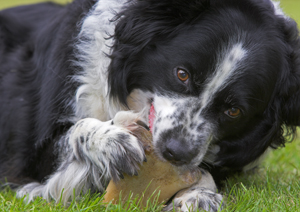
[[151, 117]]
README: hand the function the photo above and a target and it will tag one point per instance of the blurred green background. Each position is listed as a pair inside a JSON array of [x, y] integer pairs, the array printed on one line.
[[12, 3], [291, 7]]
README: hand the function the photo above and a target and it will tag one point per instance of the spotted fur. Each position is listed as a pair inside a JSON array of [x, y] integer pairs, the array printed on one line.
[[74, 77]]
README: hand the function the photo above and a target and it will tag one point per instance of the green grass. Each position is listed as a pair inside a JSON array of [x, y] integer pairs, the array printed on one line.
[[275, 186], [12, 3], [87, 203]]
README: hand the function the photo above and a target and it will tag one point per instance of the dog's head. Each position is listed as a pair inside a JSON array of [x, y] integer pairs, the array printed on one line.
[[223, 76]]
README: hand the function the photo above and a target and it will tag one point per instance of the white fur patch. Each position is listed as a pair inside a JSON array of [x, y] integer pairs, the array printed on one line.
[[225, 71], [278, 10], [75, 177], [93, 46], [164, 108]]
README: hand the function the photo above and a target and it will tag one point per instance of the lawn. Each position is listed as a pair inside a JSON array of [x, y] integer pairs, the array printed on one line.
[[274, 186]]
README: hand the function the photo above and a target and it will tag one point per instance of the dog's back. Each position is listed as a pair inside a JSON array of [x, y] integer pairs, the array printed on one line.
[[18, 25], [30, 37]]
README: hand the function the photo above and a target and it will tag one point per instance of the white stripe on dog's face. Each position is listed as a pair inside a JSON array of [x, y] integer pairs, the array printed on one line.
[[184, 118], [225, 71]]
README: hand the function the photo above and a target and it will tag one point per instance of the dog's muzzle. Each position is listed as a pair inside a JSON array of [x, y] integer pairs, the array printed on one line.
[[177, 152]]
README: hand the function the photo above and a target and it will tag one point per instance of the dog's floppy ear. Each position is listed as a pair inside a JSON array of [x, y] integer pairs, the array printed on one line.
[[139, 27], [289, 85]]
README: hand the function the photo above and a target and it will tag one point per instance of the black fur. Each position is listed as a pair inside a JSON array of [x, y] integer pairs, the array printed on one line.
[[274, 72], [152, 39], [34, 89]]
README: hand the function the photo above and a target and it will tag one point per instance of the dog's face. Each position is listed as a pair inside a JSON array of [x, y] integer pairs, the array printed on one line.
[[204, 101], [219, 81]]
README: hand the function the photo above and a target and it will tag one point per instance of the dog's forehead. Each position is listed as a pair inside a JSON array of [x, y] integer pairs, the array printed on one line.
[[228, 67]]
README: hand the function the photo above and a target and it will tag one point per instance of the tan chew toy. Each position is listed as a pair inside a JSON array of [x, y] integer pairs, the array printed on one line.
[[153, 177]]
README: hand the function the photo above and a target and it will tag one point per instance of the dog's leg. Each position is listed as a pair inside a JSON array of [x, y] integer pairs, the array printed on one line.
[[201, 195], [91, 154]]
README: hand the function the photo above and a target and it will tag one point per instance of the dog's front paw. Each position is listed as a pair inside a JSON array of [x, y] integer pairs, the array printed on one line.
[[124, 153], [195, 198], [108, 145]]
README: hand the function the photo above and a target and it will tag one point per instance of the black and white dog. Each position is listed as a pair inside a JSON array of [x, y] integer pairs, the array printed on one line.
[[223, 77]]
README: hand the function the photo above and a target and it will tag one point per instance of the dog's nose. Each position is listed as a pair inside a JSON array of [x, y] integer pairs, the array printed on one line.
[[178, 152]]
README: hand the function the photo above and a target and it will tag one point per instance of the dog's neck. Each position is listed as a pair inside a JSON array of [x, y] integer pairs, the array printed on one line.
[[93, 46]]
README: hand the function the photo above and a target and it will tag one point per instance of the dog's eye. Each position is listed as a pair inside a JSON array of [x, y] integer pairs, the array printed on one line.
[[233, 112], [182, 75]]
